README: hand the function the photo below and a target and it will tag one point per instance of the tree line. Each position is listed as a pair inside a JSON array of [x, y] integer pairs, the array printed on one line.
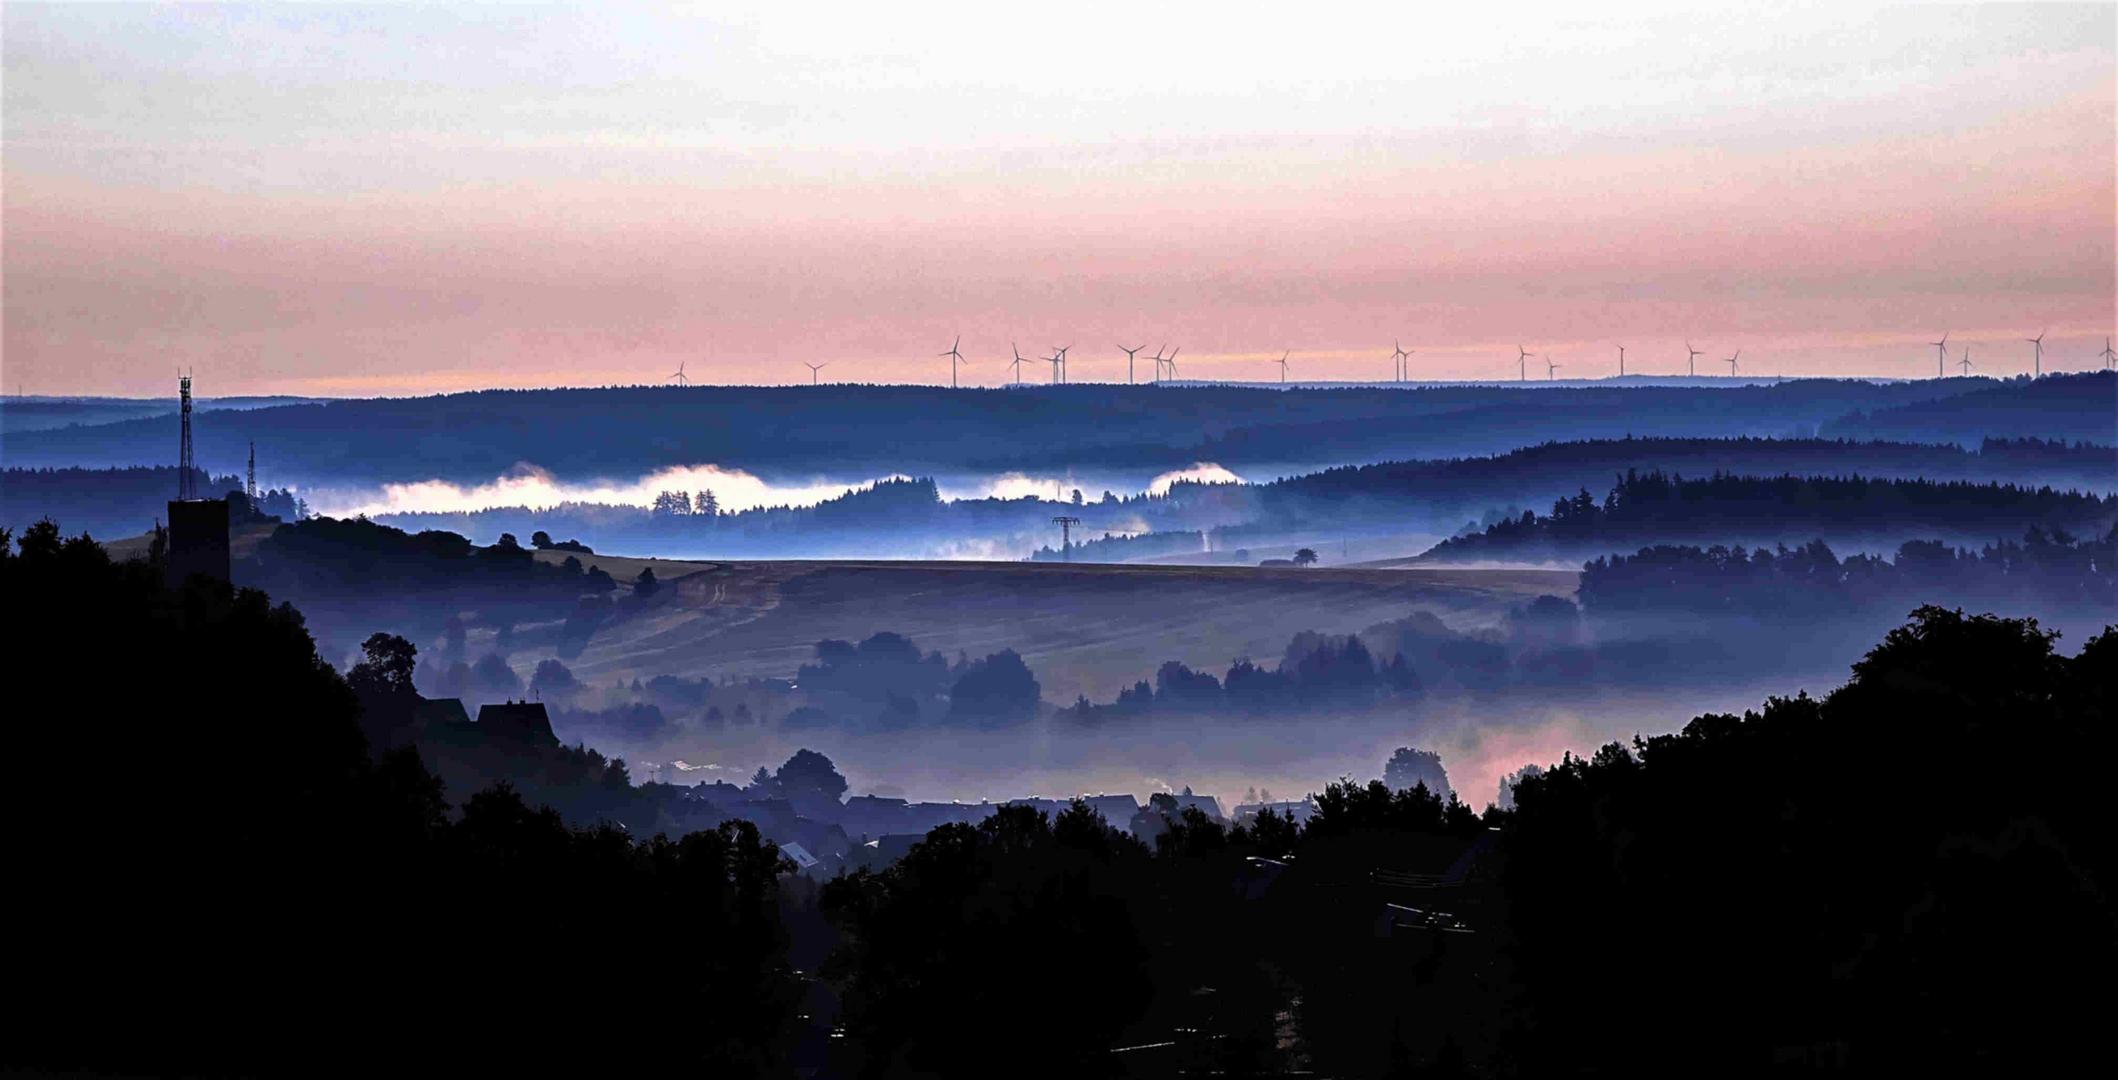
[[124, 501], [1658, 507], [2043, 569]]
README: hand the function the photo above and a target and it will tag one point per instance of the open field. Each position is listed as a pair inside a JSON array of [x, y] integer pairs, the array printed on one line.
[[1084, 629]]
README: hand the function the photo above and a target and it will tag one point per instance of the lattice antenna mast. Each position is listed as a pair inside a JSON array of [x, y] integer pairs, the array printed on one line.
[[250, 477], [187, 487], [1066, 536]]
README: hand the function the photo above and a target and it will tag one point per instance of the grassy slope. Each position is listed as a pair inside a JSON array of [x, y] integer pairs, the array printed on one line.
[[1083, 628]]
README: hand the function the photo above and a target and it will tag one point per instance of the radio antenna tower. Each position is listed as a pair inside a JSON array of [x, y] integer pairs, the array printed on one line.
[[187, 488], [250, 477]]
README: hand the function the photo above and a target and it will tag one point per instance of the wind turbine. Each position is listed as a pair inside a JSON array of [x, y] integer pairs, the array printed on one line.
[[1398, 355], [1550, 368], [1941, 354], [1171, 360], [1062, 361], [2037, 346], [2107, 354], [1964, 365], [1621, 361], [1056, 359], [1692, 360], [678, 377], [1017, 350], [814, 369], [1283, 364], [954, 359], [1129, 361], [1522, 363], [1731, 362]]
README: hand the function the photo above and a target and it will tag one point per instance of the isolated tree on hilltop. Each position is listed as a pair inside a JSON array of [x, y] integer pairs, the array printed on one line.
[[1409, 768], [1305, 557], [810, 772]]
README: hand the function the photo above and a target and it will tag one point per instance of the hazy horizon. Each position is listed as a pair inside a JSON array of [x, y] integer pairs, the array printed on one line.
[[510, 197]]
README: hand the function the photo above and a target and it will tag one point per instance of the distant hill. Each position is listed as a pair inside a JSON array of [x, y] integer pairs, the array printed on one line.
[[1441, 497], [860, 432], [1658, 508], [43, 413], [113, 503], [2065, 407]]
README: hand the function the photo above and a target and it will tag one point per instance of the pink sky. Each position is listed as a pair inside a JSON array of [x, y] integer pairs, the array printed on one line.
[[366, 239]]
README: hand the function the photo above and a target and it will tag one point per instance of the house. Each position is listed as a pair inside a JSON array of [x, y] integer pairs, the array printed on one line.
[[523, 722]]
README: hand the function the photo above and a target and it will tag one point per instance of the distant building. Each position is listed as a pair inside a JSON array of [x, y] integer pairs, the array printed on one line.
[[198, 540], [522, 721], [440, 712], [1117, 810], [1205, 804]]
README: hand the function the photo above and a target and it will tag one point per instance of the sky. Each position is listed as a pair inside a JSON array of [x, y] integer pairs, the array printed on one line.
[[398, 199]]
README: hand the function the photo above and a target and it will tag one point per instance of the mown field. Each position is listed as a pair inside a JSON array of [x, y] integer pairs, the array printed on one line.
[[1084, 629]]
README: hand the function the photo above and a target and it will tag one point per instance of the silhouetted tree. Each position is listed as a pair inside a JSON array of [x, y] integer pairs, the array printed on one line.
[[1409, 768], [995, 691]]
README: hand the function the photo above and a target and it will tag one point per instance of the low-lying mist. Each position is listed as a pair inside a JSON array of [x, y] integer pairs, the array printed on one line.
[[532, 487], [1480, 742], [537, 489]]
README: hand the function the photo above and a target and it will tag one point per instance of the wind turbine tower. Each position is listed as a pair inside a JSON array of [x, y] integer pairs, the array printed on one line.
[[1621, 361], [678, 377], [2037, 353], [955, 358], [1692, 361], [1550, 369], [1522, 363], [814, 369], [2107, 354], [1017, 350], [1055, 360], [1398, 356], [1129, 353], [1964, 365], [1731, 362], [1283, 365], [1941, 354]]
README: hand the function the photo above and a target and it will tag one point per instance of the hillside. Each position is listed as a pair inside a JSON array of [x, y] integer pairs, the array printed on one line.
[[1085, 629], [859, 432]]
